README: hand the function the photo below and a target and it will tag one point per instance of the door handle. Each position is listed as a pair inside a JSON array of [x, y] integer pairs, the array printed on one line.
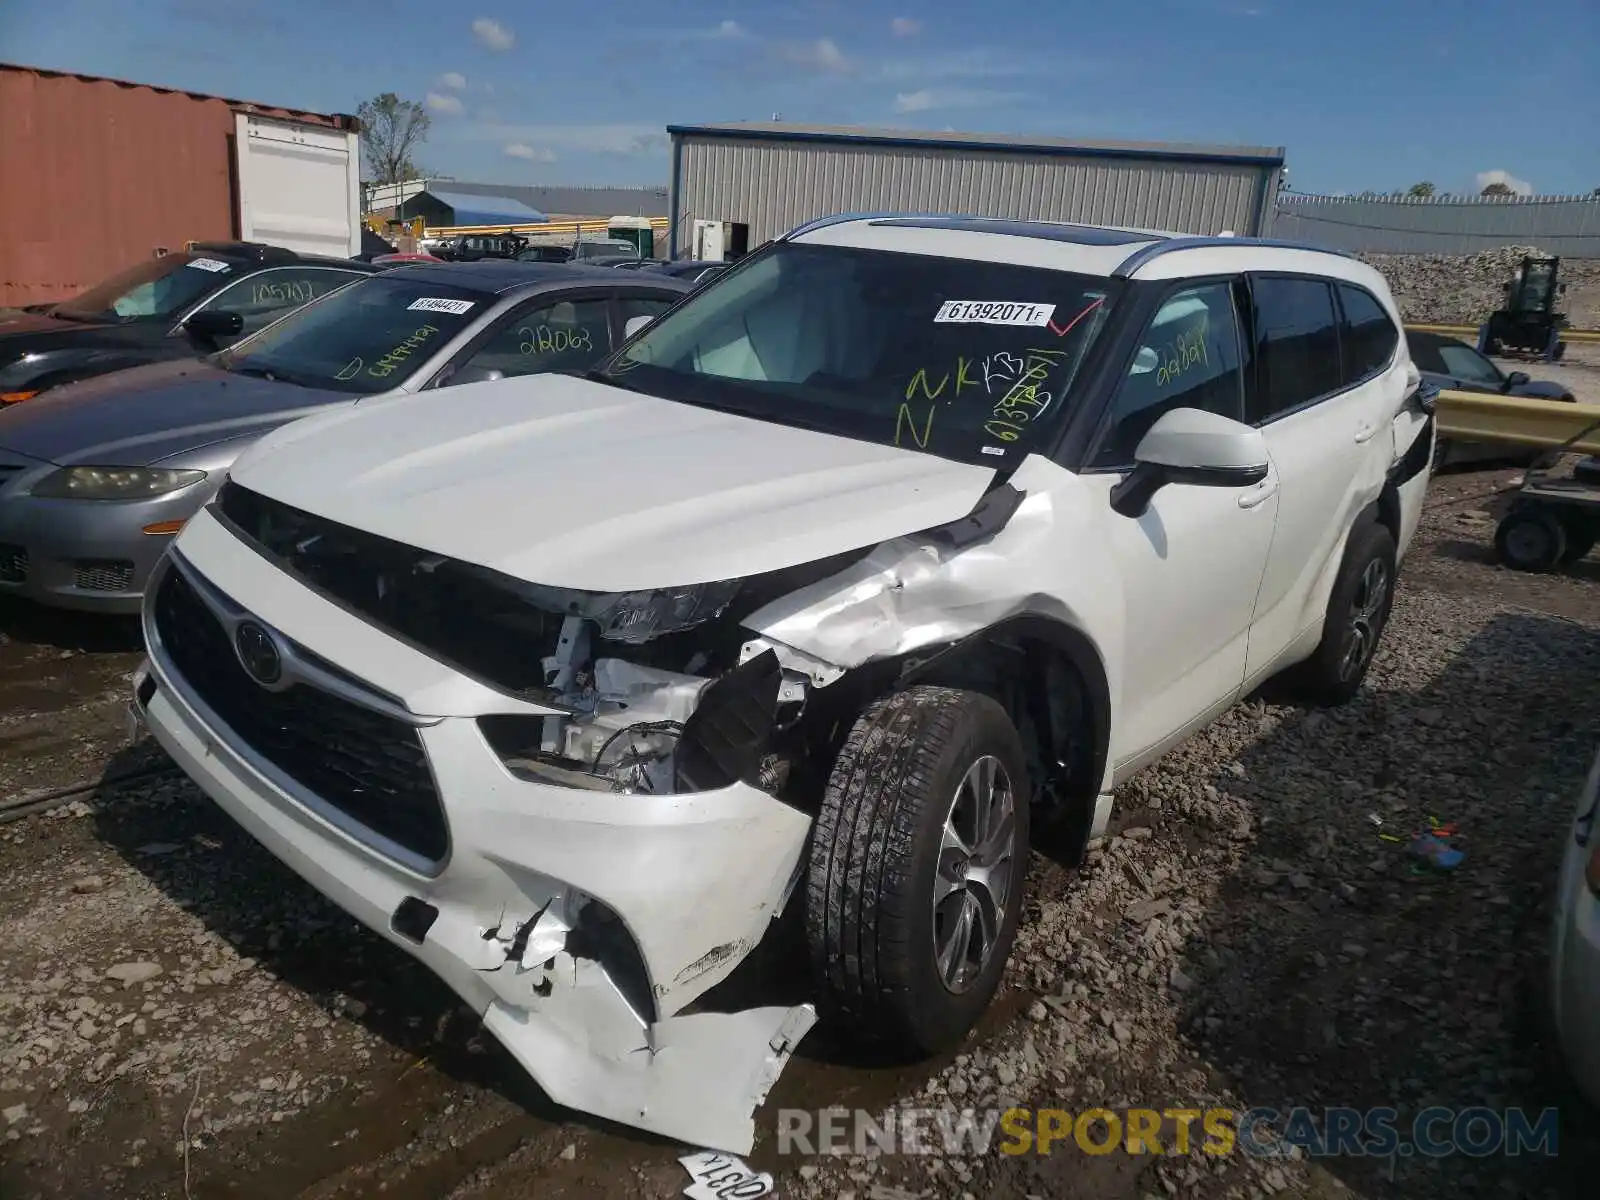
[[1364, 433], [1259, 494]]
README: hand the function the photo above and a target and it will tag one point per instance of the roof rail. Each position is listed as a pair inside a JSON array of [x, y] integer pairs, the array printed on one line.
[[1145, 254], [843, 218]]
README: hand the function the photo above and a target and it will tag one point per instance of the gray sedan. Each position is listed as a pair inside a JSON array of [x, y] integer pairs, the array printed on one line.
[[96, 477]]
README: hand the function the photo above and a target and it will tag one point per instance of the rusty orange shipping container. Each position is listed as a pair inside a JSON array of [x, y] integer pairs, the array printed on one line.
[[96, 174]]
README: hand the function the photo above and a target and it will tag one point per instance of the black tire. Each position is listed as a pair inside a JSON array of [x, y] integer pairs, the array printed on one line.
[[1580, 540], [876, 848], [1530, 539], [1358, 612]]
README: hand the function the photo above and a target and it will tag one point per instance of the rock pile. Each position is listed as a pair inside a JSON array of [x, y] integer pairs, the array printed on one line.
[[1463, 289]]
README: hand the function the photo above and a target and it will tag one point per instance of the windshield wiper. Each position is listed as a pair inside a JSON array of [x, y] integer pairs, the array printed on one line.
[[276, 375]]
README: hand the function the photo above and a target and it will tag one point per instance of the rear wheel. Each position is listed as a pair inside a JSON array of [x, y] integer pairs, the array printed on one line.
[[1358, 612], [916, 868], [1530, 539]]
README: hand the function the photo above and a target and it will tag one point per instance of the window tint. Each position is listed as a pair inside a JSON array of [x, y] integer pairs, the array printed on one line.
[[1297, 344], [152, 290], [265, 296], [568, 335], [1464, 362], [368, 338], [1188, 358], [962, 358], [644, 306], [1368, 336]]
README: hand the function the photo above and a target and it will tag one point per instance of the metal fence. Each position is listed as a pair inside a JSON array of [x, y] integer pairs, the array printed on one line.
[[1565, 225]]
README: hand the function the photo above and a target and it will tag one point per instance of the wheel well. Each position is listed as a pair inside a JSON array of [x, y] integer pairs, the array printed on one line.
[[1048, 677], [1386, 510]]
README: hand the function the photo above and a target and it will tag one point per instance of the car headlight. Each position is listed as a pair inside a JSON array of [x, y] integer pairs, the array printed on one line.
[[113, 483], [637, 617]]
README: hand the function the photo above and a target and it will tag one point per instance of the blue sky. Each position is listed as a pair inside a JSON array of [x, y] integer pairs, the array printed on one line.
[[1362, 93]]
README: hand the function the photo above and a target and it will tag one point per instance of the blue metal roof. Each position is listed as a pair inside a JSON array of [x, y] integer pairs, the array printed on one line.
[[487, 210]]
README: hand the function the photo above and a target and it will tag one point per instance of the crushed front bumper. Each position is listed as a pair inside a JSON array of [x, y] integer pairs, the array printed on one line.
[[510, 914]]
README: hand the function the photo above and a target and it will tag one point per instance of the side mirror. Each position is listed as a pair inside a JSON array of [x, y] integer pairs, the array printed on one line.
[[1516, 379], [474, 375], [1192, 446], [635, 324], [210, 324]]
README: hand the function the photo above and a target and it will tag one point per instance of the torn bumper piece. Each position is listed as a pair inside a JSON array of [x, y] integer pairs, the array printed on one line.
[[579, 924]]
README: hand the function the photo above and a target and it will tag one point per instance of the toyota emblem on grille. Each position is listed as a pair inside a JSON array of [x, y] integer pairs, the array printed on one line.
[[258, 652]]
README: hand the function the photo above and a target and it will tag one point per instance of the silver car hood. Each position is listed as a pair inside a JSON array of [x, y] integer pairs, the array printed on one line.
[[145, 414]]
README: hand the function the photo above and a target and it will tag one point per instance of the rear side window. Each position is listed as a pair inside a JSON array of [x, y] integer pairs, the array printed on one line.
[[1368, 336], [1297, 344]]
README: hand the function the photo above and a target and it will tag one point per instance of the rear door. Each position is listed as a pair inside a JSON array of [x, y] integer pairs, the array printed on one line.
[[1325, 393]]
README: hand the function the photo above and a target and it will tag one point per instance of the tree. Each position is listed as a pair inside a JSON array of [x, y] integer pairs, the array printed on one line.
[[391, 128], [1422, 190], [1497, 189]]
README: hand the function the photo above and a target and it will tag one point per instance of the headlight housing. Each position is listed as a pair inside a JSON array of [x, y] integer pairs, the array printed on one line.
[[113, 483], [637, 617]]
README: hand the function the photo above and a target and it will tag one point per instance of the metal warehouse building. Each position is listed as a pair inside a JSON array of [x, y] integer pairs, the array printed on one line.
[[760, 179]]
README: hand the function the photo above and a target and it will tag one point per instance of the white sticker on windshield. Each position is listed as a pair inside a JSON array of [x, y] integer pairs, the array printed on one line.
[[994, 312], [435, 304], [208, 264]]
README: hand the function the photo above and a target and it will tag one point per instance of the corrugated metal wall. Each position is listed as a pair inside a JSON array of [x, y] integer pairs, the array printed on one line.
[[1568, 226], [96, 174], [775, 186]]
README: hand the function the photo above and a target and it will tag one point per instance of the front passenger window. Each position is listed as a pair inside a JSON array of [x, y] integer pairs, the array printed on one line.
[[569, 335], [1188, 358]]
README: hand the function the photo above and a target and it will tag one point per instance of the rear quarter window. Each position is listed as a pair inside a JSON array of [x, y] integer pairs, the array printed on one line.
[[1367, 336]]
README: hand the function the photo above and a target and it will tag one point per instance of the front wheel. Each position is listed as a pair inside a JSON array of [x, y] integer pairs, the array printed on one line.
[[1357, 614], [916, 869]]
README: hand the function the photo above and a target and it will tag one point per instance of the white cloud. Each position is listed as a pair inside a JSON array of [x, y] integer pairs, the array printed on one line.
[[493, 35], [454, 81], [575, 139], [905, 27], [523, 150], [729, 31], [910, 102], [1519, 187], [927, 99], [979, 62], [822, 56], [449, 105]]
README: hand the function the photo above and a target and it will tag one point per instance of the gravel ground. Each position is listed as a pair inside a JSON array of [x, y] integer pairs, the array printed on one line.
[[1463, 289], [179, 1015]]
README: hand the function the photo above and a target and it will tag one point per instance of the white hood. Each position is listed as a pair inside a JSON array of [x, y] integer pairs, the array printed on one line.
[[562, 481]]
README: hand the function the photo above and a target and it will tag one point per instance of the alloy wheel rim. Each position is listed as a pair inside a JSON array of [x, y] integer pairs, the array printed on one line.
[[975, 874], [1366, 616]]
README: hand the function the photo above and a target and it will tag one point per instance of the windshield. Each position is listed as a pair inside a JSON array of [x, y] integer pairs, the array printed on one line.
[[366, 337], [158, 288], [969, 360]]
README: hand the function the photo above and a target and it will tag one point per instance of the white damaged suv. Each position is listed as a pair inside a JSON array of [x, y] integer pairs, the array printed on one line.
[[869, 566]]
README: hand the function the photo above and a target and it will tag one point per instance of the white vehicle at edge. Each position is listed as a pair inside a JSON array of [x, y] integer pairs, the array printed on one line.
[[865, 569], [1575, 943]]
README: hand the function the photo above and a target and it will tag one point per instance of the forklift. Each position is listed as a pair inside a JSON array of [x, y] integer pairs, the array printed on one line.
[[1527, 324]]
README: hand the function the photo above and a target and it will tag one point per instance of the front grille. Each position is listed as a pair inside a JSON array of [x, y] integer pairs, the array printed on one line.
[[102, 574], [13, 564], [480, 622], [370, 766]]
